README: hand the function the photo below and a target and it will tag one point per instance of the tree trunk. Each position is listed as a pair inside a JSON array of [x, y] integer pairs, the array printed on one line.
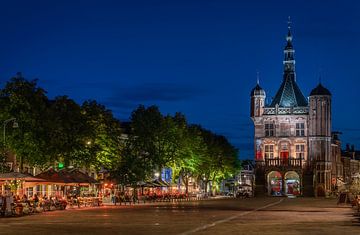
[[206, 184], [186, 185], [21, 165]]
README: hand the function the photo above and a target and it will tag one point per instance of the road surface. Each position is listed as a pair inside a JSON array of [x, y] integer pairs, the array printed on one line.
[[265, 215]]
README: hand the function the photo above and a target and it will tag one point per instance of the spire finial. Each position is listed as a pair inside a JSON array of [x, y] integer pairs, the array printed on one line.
[[257, 77], [289, 22], [289, 36]]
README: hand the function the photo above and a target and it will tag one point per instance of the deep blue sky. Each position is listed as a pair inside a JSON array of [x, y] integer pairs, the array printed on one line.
[[197, 57]]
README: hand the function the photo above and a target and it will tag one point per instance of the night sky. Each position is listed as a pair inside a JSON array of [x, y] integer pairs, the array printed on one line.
[[197, 57]]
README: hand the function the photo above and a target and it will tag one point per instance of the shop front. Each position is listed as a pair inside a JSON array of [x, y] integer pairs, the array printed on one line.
[[280, 184]]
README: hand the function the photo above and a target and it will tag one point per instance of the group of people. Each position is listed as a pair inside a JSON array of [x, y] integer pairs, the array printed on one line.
[[151, 196], [11, 204], [122, 196], [8, 201]]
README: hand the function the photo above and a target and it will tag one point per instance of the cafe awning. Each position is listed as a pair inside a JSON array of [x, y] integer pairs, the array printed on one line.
[[20, 176], [66, 176]]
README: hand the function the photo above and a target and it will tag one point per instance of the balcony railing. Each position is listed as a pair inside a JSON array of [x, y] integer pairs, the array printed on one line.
[[285, 162]]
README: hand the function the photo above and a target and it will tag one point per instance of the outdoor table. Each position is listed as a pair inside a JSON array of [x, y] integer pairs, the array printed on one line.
[[18, 207]]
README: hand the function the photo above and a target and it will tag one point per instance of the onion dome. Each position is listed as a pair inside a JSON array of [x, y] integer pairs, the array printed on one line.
[[320, 90], [257, 91]]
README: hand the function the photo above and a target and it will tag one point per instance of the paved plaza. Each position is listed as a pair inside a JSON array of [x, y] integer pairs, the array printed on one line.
[[265, 215]]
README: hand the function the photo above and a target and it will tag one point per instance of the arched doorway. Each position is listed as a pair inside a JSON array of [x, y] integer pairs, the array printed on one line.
[[275, 183], [292, 183]]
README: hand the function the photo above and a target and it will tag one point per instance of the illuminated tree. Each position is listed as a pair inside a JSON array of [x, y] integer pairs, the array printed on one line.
[[28, 103], [220, 159], [355, 185], [155, 136], [105, 139]]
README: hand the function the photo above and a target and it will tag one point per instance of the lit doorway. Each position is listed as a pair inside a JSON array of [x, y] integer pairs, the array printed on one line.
[[284, 154], [292, 183], [275, 184]]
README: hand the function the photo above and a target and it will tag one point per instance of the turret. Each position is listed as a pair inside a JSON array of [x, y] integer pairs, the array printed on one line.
[[320, 113], [258, 96], [320, 123], [320, 138]]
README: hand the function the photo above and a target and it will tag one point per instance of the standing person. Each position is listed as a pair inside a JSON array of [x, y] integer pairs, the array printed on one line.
[[9, 200], [2, 204], [113, 197], [36, 200]]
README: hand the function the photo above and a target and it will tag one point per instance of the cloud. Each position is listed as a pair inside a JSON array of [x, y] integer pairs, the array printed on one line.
[[160, 92], [131, 97]]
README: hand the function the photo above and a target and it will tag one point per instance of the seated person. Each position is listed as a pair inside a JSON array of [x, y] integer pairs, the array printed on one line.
[[36, 200]]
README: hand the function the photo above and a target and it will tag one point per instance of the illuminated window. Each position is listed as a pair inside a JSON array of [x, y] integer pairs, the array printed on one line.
[[300, 151], [300, 129], [269, 129], [269, 151]]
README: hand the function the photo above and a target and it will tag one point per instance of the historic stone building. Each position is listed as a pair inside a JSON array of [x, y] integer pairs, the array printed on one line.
[[292, 139]]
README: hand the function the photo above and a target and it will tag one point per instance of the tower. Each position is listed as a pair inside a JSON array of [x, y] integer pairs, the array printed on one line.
[[257, 106], [320, 138], [258, 96], [280, 138], [289, 93]]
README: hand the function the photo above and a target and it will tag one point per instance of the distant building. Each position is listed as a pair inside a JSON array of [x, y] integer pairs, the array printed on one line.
[[240, 183], [245, 180], [292, 141]]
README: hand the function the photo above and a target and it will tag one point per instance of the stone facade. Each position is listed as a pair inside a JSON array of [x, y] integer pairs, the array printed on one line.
[[292, 140]]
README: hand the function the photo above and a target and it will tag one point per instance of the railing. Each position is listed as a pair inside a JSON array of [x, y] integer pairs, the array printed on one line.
[[291, 162], [286, 110]]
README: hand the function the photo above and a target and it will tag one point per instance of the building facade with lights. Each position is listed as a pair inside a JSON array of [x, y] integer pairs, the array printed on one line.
[[292, 139]]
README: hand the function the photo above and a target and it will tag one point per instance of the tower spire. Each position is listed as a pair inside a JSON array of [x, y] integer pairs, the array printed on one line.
[[257, 78], [289, 23], [289, 60], [289, 36]]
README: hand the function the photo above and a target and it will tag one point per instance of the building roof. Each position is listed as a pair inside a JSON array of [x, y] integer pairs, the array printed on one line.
[[67, 176], [257, 90], [320, 90], [289, 94], [20, 176]]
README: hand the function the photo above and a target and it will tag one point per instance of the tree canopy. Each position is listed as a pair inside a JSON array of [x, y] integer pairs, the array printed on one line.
[[88, 135]]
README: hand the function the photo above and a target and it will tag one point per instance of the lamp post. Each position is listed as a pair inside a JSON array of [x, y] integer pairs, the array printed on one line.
[[15, 125]]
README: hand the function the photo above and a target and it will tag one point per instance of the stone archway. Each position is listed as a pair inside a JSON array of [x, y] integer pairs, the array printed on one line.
[[292, 183], [275, 183]]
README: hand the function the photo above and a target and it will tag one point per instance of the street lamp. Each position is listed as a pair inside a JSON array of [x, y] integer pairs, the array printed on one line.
[[15, 125]]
